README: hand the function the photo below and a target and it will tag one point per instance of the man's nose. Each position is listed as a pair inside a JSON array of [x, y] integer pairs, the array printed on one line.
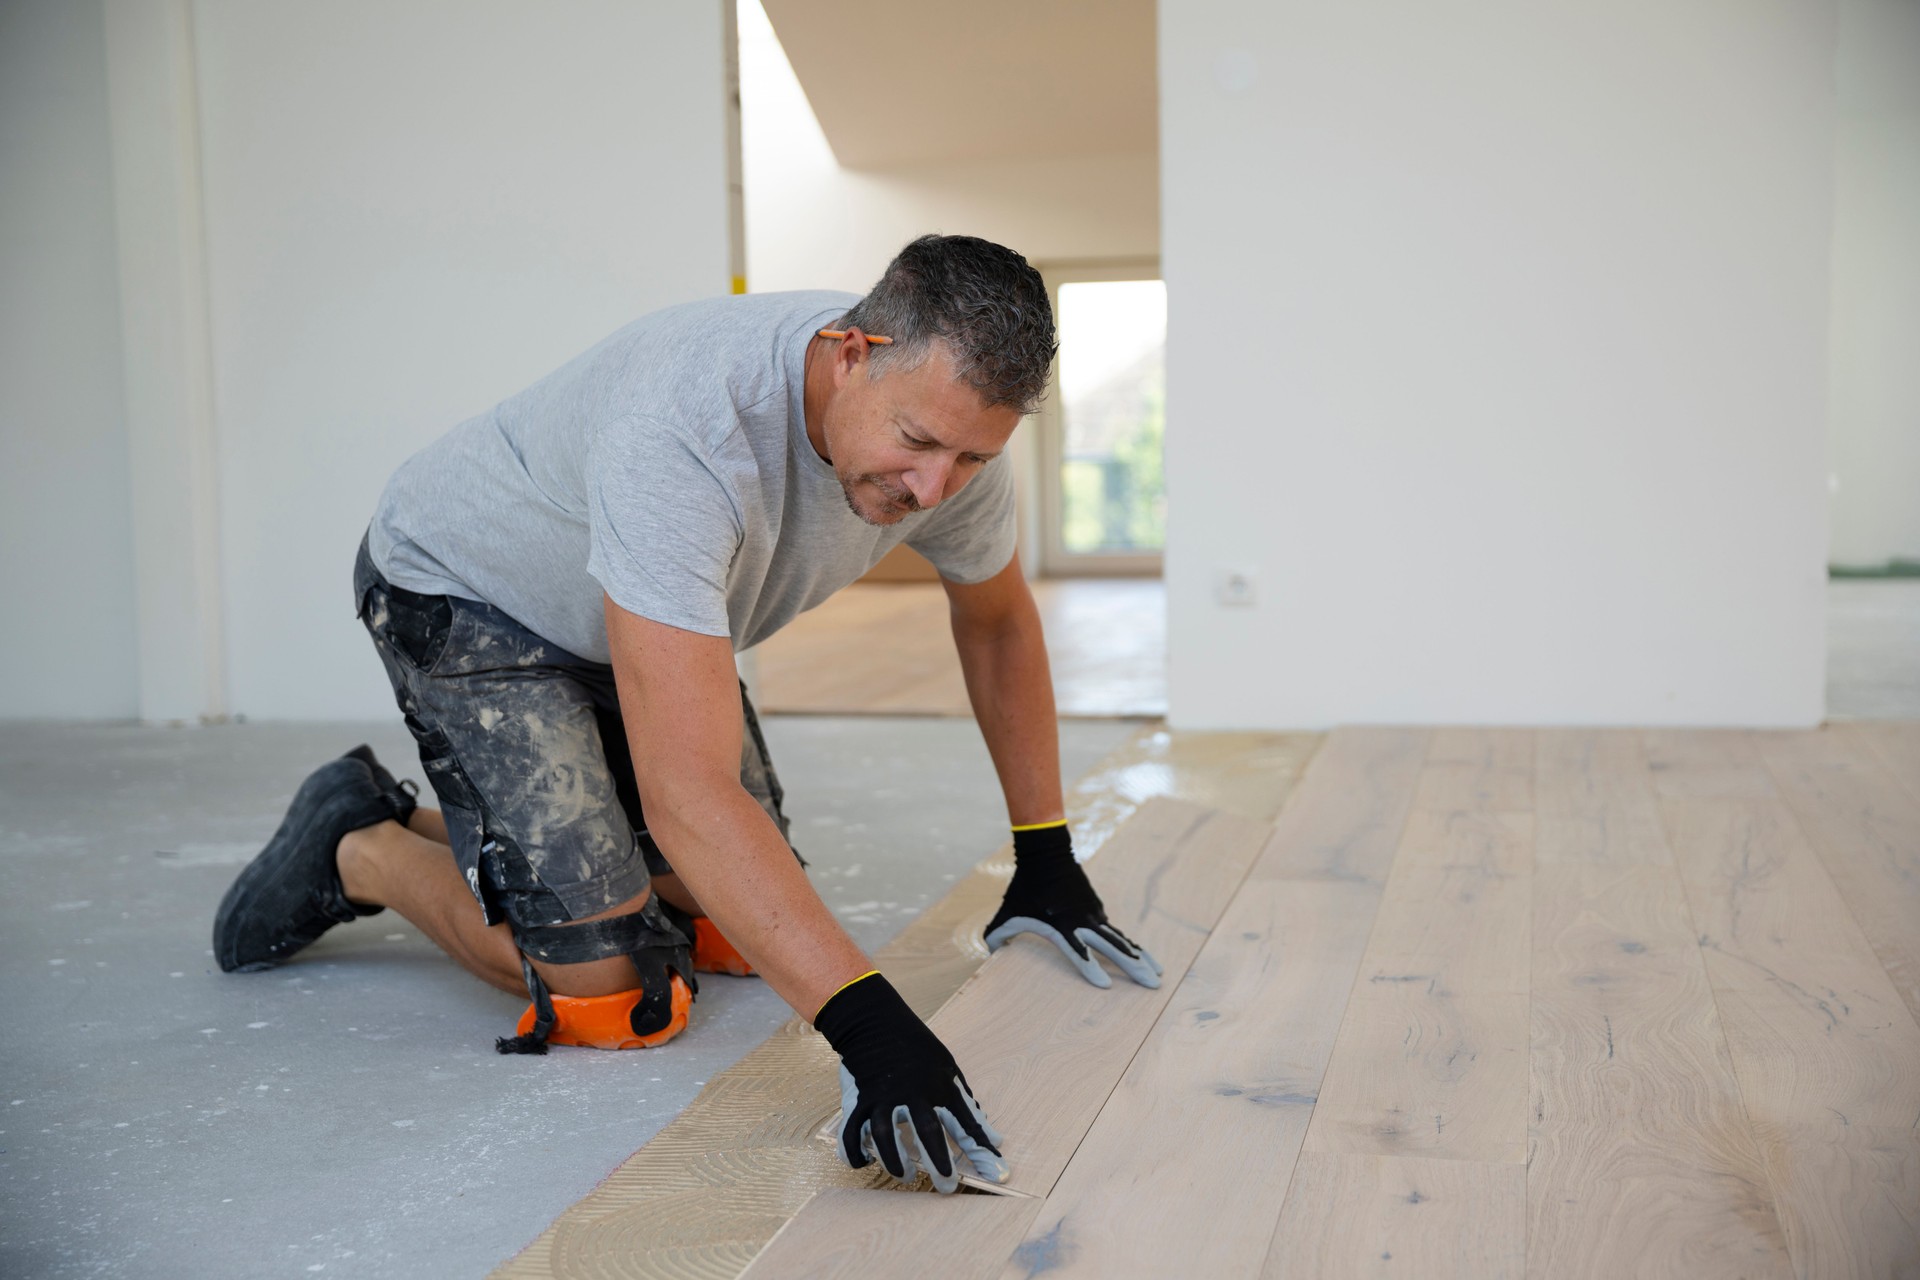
[[928, 482]]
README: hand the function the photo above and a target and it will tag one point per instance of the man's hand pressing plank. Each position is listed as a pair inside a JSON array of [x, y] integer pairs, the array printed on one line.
[[1051, 897], [902, 1096]]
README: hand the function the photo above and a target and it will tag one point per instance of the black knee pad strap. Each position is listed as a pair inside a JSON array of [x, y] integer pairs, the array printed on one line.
[[599, 939], [647, 937]]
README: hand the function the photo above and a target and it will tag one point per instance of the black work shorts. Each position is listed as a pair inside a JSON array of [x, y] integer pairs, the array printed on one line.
[[524, 745]]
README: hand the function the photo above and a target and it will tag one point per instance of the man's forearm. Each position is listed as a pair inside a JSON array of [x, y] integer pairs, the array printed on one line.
[[679, 695], [733, 859], [1010, 686]]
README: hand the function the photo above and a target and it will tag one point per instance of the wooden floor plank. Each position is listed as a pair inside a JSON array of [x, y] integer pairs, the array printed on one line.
[[1641, 1161], [1458, 905], [1895, 742], [1866, 828], [1421, 1070], [1827, 1054], [1344, 822], [1432, 1054], [1043, 1076], [851, 1235], [1215, 1104], [1478, 771], [1387, 1216], [1705, 764], [1223, 1087]]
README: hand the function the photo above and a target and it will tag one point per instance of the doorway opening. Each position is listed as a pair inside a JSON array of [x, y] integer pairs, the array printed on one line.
[[830, 190]]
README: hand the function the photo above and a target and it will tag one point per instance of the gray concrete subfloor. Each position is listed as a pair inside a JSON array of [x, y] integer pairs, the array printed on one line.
[[1873, 649], [346, 1114]]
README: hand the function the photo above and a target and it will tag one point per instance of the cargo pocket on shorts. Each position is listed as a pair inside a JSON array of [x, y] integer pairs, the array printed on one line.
[[417, 626]]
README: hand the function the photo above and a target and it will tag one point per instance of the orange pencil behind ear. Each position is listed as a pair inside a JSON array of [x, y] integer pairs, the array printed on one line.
[[841, 333]]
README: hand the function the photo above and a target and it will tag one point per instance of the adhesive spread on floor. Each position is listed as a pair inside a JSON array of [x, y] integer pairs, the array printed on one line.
[[707, 1193]]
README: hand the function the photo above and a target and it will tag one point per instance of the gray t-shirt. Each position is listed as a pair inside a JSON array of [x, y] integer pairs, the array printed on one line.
[[670, 466]]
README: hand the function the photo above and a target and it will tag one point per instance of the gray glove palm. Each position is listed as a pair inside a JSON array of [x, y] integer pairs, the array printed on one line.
[[1051, 897]]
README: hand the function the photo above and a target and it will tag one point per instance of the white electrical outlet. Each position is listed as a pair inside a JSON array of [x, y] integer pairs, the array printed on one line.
[[1233, 588]]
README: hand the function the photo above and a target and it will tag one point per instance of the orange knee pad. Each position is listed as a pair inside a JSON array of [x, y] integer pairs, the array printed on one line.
[[606, 1022], [712, 953]]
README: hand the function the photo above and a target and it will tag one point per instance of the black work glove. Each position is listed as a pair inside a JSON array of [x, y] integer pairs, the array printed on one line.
[[1051, 896], [896, 1075]]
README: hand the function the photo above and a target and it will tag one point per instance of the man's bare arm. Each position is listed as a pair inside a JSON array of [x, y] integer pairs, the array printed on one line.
[[681, 700], [1003, 654], [996, 628]]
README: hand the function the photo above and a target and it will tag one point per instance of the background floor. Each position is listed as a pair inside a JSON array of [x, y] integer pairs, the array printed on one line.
[[1873, 649], [885, 648], [347, 1113]]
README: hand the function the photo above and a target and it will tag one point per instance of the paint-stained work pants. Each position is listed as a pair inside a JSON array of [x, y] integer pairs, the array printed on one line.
[[524, 745]]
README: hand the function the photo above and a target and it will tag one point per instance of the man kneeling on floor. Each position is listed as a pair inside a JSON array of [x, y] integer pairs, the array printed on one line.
[[557, 589]]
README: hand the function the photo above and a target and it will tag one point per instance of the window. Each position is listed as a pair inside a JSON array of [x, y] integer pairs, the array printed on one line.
[[1103, 492]]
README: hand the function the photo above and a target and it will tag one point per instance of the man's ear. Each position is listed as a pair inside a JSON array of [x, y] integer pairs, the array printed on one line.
[[850, 354]]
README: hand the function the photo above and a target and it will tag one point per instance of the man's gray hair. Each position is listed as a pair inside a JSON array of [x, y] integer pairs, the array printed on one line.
[[981, 300]]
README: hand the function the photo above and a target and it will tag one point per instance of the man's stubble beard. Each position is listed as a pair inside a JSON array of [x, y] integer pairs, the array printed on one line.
[[905, 503]]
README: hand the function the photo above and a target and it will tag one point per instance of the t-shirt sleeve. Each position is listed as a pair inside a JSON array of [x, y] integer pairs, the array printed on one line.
[[663, 524], [971, 537]]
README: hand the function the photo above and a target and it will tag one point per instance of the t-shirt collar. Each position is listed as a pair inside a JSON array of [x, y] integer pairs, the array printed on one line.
[[797, 390]]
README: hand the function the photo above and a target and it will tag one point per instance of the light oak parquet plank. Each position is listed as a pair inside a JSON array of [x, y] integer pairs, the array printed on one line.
[[1827, 1054], [1222, 1088], [1458, 905], [866, 645], [852, 1235], [1431, 1059], [1395, 1216], [1432, 1054], [1043, 1075], [1419, 1070], [1478, 771], [1866, 828], [1705, 764], [1593, 794], [1345, 821], [1214, 1106], [1895, 742], [1640, 1159]]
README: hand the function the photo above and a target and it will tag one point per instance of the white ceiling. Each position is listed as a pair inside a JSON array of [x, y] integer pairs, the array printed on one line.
[[914, 82]]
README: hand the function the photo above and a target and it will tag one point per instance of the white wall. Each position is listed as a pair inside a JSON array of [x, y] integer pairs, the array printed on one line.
[[1875, 445], [66, 552], [1498, 355], [412, 211], [253, 253]]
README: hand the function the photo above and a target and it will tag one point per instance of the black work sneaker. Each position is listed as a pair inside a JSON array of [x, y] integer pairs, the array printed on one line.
[[290, 893], [402, 794]]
